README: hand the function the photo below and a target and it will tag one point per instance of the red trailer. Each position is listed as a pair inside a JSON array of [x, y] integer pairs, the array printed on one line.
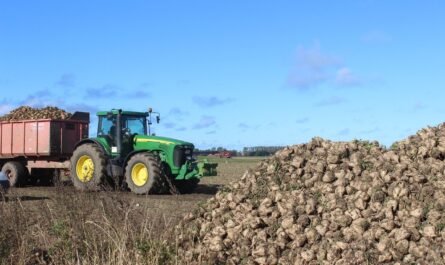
[[39, 144], [225, 154]]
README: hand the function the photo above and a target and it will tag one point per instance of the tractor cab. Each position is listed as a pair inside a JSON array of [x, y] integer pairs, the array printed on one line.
[[119, 128]]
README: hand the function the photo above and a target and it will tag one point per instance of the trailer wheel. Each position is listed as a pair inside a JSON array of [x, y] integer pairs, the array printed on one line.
[[88, 168], [186, 186], [143, 174], [16, 173]]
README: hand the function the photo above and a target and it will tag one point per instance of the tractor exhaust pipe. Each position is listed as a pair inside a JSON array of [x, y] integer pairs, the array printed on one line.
[[119, 132]]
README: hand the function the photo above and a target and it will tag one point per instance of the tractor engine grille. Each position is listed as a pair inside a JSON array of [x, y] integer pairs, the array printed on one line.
[[181, 154]]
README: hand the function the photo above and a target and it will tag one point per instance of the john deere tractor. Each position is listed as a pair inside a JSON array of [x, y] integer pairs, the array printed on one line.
[[125, 154]]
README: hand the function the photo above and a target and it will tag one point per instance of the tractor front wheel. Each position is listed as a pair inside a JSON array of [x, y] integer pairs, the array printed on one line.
[[88, 168], [143, 174]]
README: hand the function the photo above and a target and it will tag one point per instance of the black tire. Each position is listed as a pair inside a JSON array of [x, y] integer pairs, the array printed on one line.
[[154, 183], [95, 182], [16, 173], [186, 186]]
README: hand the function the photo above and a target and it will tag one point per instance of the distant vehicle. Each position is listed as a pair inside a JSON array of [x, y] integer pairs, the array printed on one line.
[[223, 154]]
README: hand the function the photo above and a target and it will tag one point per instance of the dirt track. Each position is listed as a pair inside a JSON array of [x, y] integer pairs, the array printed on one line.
[[169, 206]]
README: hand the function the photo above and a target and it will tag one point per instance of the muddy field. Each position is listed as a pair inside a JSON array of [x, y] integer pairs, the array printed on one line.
[[55, 225]]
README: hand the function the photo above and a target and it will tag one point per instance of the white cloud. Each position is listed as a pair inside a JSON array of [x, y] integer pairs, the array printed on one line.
[[40, 99], [177, 113], [245, 126], [204, 122], [66, 80], [5, 108], [43, 98], [345, 77], [303, 120], [169, 125], [106, 91], [313, 67], [137, 94], [208, 102], [314, 59]]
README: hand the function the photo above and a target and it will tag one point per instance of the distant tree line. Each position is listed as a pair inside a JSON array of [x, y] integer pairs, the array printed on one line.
[[215, 150], [261, 150], [247, 151]]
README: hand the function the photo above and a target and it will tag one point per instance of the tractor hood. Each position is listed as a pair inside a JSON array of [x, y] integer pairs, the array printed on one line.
[[139, 139]]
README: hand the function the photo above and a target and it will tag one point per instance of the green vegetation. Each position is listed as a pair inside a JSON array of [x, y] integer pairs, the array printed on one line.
[[366, 165]]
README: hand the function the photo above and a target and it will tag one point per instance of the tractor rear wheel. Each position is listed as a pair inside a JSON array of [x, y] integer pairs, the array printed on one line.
[[186, 186], [88, 168], [143, 174], [16, 173]]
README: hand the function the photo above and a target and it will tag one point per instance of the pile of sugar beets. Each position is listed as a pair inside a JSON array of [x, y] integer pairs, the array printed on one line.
[[29, 113], [329, 203]]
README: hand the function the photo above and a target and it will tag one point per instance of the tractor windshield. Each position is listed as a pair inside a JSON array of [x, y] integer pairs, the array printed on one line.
[[135, 124]]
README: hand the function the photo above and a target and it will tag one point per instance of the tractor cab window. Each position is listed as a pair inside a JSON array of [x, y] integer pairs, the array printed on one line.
[[135, 125], [107, 127]]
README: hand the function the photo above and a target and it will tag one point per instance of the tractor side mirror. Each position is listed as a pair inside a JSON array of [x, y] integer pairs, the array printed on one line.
[[158, 119]]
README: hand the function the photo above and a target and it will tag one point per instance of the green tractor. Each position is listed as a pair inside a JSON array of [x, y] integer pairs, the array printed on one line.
[[125, 154]]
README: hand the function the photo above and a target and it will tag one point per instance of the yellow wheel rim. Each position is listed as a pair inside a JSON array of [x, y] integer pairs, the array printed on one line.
[[139, 174], [85, 168]]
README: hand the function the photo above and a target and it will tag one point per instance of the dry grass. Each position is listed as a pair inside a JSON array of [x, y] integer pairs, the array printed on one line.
[[79, 228], [62, 226]]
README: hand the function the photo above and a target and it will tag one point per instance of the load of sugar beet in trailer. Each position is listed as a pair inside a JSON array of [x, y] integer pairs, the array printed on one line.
[[29, 113], [38, 132]]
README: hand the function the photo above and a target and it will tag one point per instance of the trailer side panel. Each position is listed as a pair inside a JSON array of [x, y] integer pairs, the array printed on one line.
[[40, 138]]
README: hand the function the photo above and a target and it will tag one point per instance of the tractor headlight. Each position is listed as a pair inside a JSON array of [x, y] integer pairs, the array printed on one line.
[[181, 154]]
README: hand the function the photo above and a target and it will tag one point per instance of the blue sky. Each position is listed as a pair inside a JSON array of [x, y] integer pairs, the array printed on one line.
[[233, 73]]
